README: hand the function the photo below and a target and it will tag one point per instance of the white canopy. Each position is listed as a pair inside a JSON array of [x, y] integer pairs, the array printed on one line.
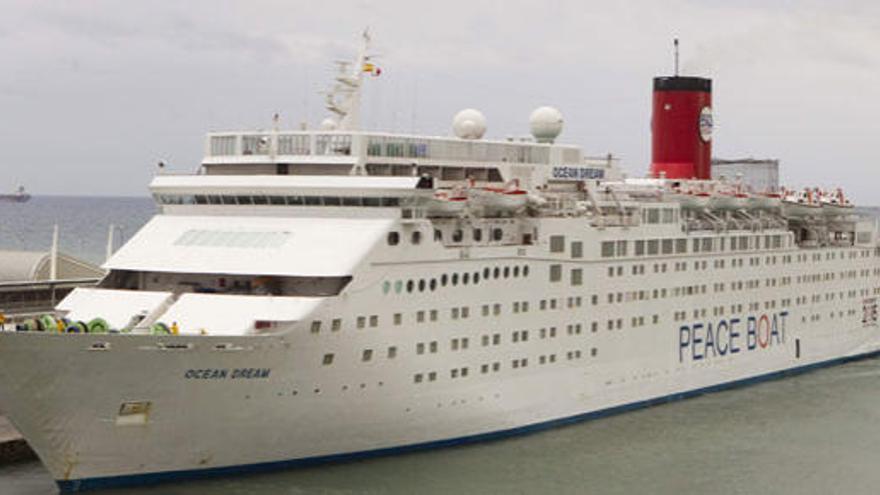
[[220, 314], [305, 247], [115, 306]]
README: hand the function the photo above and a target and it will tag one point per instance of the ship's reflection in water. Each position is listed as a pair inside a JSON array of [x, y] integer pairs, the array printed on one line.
[[815, 433]]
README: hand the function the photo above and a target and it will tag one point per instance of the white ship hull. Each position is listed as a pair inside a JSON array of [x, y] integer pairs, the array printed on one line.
[[204, 420]]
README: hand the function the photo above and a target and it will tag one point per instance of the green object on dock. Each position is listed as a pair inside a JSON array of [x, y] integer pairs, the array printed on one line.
[[160, 329]]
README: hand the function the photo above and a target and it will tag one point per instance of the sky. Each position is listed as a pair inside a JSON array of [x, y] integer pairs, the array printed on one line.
[[94, 93]]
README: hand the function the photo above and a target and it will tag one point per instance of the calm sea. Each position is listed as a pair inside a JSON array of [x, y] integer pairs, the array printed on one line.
[[817, 433]]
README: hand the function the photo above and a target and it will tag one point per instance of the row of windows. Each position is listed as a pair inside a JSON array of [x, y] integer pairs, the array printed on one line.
[[496, 234], [651, 247], [217, 199], [455, 279]]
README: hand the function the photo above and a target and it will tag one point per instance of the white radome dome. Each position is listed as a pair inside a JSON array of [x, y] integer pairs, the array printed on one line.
[[469, 124], [328, 124], [546, 124]]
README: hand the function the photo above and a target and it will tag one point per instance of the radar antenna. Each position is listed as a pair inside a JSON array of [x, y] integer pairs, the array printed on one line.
[[344, 98]]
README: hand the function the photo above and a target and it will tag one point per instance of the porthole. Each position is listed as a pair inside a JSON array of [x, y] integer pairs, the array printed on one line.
[[416, 237], [386, 287], [465, 278], [422, 285], [497, 272], [410, 285], [393, 238], [516, 271], [525, 271], [398, 286], [486, 272], [457, 235], [506, 271], [433, 284], [476, 277], [444, 279], [454, 279]]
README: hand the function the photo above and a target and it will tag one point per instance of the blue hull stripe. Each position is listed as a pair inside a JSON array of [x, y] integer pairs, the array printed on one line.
[[165, 476]]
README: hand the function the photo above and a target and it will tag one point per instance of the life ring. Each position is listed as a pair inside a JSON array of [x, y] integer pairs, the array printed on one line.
[[98, 325], [160, 329], [47, 322], [77, 327]]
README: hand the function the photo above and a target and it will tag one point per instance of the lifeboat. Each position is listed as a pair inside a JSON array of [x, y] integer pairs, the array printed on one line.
[[447, 202], [801, 204], [500, 200], [767, 200], [835, 204]]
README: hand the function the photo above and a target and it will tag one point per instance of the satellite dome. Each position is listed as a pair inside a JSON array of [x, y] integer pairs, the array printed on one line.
[[328, 124], [469, 124], [546, 124]]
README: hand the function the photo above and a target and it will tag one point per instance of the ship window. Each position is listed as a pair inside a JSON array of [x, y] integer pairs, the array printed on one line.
[[555, 273], [417, 378], [393, 238], [577, 249], [214, 200], [374, 321], [367, 355], [457, 235], [433, 346], [295, 200], [416, 237], [607, 249], [422, 285], [497, 234], [652, 246], [506, 271], [478, 235], [667, 246], [516, 271], [433, 315], [496, 272], [577, 276], [336, 325], [557, 243], [438, 235], [410, 285], [432, 376], [707, 245], [640, 248], [328, 359], [261, 200], [444, 279], [621, 248], [653, 215], [242, 200], [392, 352], [680, 246], [420, 348], [316, 326], [433, 284], [351, 201], [276, 200], [398, 318], [465, 278], [525, 270], [361, 321]]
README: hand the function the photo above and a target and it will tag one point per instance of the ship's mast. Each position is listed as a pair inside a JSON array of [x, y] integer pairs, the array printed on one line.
[[344, 99]]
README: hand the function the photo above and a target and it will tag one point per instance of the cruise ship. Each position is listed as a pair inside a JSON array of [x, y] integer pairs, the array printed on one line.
[[332, 294]]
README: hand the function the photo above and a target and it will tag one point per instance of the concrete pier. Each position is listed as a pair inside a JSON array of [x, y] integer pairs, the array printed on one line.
[[13, 448]]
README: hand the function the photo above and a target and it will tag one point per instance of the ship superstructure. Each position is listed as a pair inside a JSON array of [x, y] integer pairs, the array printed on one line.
[[323, 295]]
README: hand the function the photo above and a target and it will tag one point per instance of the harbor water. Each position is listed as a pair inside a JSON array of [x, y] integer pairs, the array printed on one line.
[[815, 433]]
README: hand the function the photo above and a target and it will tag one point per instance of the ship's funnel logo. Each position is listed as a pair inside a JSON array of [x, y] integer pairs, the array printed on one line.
[[706, 124]]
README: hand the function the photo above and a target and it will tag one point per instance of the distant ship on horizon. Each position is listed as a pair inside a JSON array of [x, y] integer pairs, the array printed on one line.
[[19, 196]]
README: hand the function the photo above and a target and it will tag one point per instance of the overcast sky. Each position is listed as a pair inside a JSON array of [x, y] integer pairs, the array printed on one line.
[[93, 93]]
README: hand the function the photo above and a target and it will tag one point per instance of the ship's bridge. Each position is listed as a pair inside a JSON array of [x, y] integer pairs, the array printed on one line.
[[386, 154]]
